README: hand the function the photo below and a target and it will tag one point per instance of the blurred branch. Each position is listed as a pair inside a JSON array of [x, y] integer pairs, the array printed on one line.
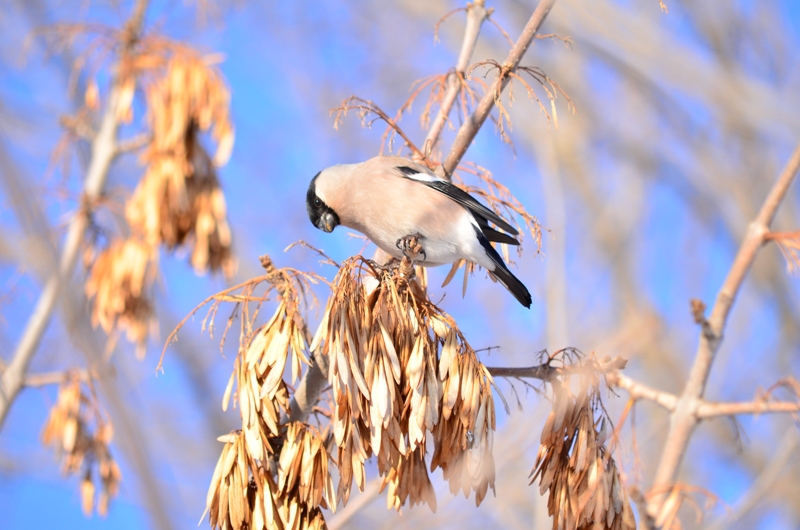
[[685, 417], [639, 391], [123, 407], [53, 378], [476, 15], [134, 143], [764, 483], [710, 410], [475, 121], [371, 491], [104, 151]]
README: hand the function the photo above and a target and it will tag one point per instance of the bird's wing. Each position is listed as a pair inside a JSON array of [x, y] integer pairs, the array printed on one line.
[[457, 194], [494, 235]]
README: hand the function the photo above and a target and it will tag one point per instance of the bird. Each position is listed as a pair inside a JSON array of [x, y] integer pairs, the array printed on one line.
[[391, 199]]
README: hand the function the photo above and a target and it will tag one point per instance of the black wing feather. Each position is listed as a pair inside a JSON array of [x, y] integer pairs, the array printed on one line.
[[494, 235], [461, 197]]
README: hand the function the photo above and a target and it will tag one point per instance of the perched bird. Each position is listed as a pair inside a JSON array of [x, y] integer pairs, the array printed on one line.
[[391, 198]]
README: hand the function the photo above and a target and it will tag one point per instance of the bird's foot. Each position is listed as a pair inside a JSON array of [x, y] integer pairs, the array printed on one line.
[[411, 246], [389, 266]]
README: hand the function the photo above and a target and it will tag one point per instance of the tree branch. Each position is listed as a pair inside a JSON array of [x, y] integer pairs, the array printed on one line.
[[53, 378], [685, 416], [710, 409], [476, 14], [104, 150], [475, 121], [544, 372], [639, 391]]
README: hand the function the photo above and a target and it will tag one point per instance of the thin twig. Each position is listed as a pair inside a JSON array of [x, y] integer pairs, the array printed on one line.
[[685, 417], [544, 372], [366, 107], [54, 378], [547, 371], [104, 150], [134, 143], [475, 121]]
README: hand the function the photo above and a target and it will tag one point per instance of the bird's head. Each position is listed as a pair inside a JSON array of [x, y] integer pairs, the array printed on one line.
[[322, 216]]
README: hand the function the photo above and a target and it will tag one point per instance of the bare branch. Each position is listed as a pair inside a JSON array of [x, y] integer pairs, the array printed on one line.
[[710, 410], [475, 121], [685, 417], [640, 391], [104, 150], [545, 372], [134, 143], [476, 14], [343, 515], [54, 378]]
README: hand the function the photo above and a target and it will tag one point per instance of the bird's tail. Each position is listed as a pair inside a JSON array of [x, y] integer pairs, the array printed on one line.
[[501, 272], [510, 282]]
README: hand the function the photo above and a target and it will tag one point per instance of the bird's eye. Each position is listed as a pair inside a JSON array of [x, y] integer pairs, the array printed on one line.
[[317, 202]]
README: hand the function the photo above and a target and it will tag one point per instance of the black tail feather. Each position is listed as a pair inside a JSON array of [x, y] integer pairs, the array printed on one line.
[[502, 274], [516, 287]]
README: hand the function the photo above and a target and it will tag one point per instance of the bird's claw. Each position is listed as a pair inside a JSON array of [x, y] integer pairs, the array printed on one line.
[[412, 247], [389, 266]]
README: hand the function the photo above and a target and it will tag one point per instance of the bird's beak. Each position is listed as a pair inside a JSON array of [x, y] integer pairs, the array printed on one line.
[[328, 222]]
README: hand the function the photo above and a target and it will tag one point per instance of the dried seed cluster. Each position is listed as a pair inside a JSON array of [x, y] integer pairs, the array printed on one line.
[[120, 281], [179, 201], [391, 389], [271, 475], [574, 465], [262, 393], [270, 494], [68, 430]]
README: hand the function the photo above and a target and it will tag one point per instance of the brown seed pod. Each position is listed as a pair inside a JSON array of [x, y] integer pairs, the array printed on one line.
[[577, 469], [392, 390], [80, 436], [119, 285]]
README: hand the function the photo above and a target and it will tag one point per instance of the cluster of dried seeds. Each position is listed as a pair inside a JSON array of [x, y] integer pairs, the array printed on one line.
[[577, 469], [465, 433], [179, 201], [304, 482], [287, 492], [391, 388], [271, 474], [262, 393], [68, 430], [120, 281]]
